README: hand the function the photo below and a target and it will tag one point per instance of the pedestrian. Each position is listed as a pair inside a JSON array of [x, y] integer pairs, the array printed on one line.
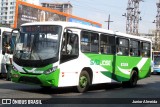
[[119, 52], [8, 60]]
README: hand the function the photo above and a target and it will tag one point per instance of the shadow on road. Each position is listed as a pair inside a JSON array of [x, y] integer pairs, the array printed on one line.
[[150, 84], [38, 89]]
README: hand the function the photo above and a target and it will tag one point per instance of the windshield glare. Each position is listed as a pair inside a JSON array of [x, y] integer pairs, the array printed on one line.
[[35, 43]]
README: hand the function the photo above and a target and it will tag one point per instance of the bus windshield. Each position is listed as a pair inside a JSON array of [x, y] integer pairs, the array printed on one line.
[[38, 42], [156, 60]]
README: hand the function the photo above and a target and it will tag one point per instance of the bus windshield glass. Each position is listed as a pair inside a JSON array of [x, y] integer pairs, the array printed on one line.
[[38, 42], [156, 59]]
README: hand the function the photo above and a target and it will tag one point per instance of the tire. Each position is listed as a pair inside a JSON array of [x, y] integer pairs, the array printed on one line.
[[84, 82], [133, 80], [46, 87]]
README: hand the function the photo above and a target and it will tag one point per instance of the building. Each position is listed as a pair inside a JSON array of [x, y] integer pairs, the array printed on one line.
[[35, 2], [62, 7], [150, 35], [26, 13], [7, 10]]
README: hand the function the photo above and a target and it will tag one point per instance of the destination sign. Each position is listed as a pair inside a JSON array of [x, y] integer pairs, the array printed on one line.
[[40, 29]]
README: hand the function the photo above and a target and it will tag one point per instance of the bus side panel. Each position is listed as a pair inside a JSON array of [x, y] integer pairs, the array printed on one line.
[[125, 65], [145, 71], [102, 67], [69, 73]]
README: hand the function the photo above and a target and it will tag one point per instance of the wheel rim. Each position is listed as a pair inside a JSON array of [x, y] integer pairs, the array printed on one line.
[[83, 81]]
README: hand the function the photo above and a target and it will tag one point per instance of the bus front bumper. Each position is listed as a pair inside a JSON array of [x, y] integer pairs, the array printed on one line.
[[40, 79]]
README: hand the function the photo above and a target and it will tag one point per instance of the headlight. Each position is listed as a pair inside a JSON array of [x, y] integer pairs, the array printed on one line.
[[50, 70]]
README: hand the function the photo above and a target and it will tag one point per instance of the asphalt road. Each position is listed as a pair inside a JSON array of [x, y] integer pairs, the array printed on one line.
[[147, 88]]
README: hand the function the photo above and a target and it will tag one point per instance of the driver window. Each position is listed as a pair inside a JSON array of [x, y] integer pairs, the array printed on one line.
[[70, 47], [66, 44]]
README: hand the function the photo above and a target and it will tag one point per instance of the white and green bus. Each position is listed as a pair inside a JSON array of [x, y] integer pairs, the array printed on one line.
[[62, 54], [5, 55]]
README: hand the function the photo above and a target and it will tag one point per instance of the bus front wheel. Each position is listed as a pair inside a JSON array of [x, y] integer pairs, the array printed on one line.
[[84, 82], [133, 80]]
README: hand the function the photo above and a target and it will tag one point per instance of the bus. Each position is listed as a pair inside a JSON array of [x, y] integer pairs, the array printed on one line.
[[156, 62], [63, 54], [5, 38]]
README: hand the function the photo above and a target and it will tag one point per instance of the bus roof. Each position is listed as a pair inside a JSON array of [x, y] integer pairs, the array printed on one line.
[[132, 36], [77, 25], [70, 24]]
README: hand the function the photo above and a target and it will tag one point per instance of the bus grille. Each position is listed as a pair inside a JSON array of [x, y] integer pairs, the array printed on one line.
[[32, 80]]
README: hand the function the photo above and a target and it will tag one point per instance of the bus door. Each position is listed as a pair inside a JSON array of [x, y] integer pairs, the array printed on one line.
[[7, 46], [4, 43], [122, 60], [69, 54], [107, 57]]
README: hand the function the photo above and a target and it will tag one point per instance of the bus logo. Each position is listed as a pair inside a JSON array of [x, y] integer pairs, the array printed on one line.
[[100, 62]]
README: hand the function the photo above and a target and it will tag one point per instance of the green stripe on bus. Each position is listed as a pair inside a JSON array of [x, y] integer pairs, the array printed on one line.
[[121, 70]]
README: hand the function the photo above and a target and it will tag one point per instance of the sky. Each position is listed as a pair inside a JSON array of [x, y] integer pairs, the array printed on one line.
[[99, 10]]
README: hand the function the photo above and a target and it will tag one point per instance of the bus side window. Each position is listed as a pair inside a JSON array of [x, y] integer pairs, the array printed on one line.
[[107, 44], [134, 47], [89, 42], [122, 46], [66, 44], [74, 43], [145, 52]]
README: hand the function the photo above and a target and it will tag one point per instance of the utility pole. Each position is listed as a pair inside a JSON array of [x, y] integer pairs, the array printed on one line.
[[132, 21], [157, 35], [109, 20]]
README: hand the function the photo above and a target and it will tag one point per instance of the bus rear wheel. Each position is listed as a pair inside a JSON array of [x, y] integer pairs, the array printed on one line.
[[133, 80], [84, 82]]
